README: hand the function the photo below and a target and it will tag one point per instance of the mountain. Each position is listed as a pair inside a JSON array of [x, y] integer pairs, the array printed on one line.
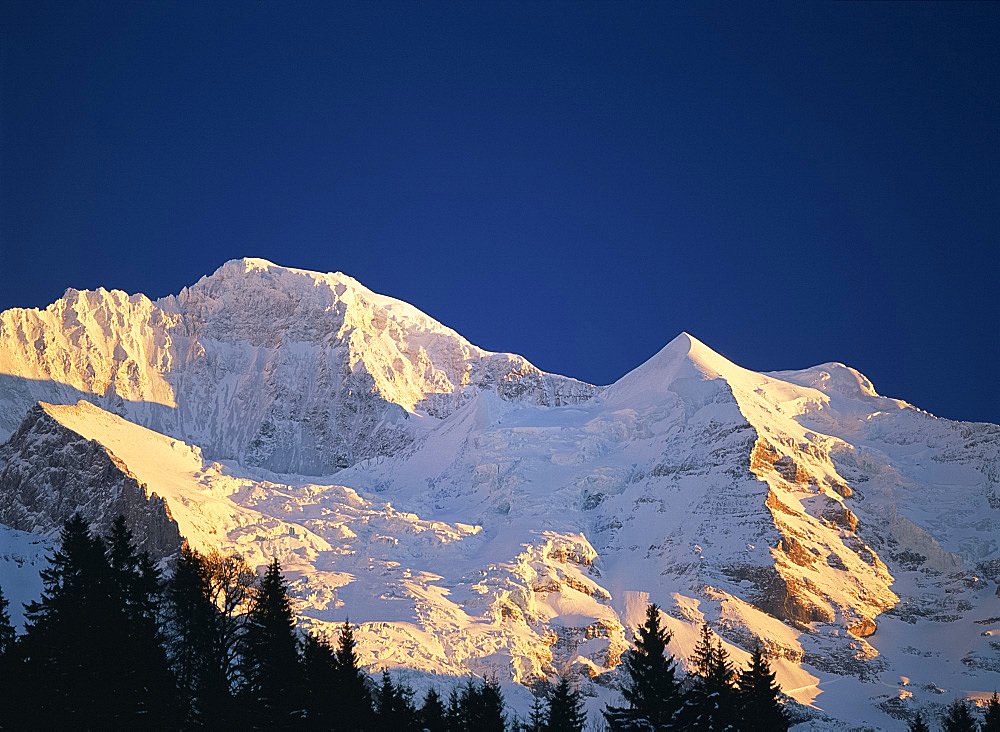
[[279, 368], [477, 514]]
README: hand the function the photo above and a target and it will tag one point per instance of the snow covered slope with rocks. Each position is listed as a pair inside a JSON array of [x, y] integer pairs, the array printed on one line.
[[488, 517]]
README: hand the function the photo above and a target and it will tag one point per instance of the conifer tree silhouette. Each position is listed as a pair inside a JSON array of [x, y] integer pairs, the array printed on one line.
[[712, 701], [432, 713], [353, 696], [481, 707], [319, 669], [759, 708], [565, 712], [959, 717], [917, 724], [146, 687], [70, 680], [536, 719], [394, 710], [7, 634], [271, 670], [8, 669], [991, 720], [652, 689], [453, 713]]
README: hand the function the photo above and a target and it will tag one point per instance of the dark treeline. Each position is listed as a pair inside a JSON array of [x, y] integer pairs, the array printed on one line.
[[112, 644]]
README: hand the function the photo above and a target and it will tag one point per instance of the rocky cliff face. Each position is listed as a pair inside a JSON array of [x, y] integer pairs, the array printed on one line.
[[48, 473]]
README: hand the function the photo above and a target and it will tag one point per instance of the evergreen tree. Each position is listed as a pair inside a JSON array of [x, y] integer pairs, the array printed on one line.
[[491, 717], [69, 677], [195, 643], [652, 690], [991, 722], [917, 724], [959, 717], [712, 701], [536, 720], [353, 697], [565, 712], [482, 707], [7, 635], [432, 713], [453, 714], [146, 686], [8, 671], [271, 670], [394, 711], [760, 710], [319, 669]]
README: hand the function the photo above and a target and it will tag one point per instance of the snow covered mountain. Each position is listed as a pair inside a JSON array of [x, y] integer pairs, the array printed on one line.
[[281, 368], [477, 514]]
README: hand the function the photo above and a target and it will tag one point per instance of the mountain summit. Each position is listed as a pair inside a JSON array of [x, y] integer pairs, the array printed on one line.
[[478, 515]]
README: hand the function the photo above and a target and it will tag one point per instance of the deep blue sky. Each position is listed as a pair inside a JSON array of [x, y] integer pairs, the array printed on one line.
[[575, 182]]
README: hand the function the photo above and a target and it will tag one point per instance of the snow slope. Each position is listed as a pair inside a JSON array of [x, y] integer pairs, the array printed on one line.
[[521, 522]]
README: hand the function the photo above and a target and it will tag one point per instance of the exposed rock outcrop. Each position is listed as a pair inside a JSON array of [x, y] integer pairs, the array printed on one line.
[[48, 473]]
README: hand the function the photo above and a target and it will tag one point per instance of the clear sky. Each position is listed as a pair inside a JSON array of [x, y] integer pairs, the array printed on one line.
[[575, 182]]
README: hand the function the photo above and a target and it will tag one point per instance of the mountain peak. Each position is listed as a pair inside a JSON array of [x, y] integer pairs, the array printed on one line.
[[252, 263], [684, 357], [236, 268]]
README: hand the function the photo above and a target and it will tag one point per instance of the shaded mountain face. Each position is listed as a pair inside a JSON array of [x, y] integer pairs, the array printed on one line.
[[49, 472], [487, 517]]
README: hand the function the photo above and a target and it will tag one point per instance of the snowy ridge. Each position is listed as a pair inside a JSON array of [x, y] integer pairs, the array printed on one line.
[[488, 517]]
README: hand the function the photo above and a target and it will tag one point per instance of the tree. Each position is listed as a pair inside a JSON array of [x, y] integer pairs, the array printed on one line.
[[7, 634], [319, 669], [432, 713], [194, 641], [565, 711], [8, 674], [232, 586], [712, 701], [491, 717], [271, 671], [536, 720], [394, 711], [482, 707], [146, 687], [760, 710], [959, 717], [352, 693], [652, 689], [69, 679], [453, 714], [991, 722], [917, 724]]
